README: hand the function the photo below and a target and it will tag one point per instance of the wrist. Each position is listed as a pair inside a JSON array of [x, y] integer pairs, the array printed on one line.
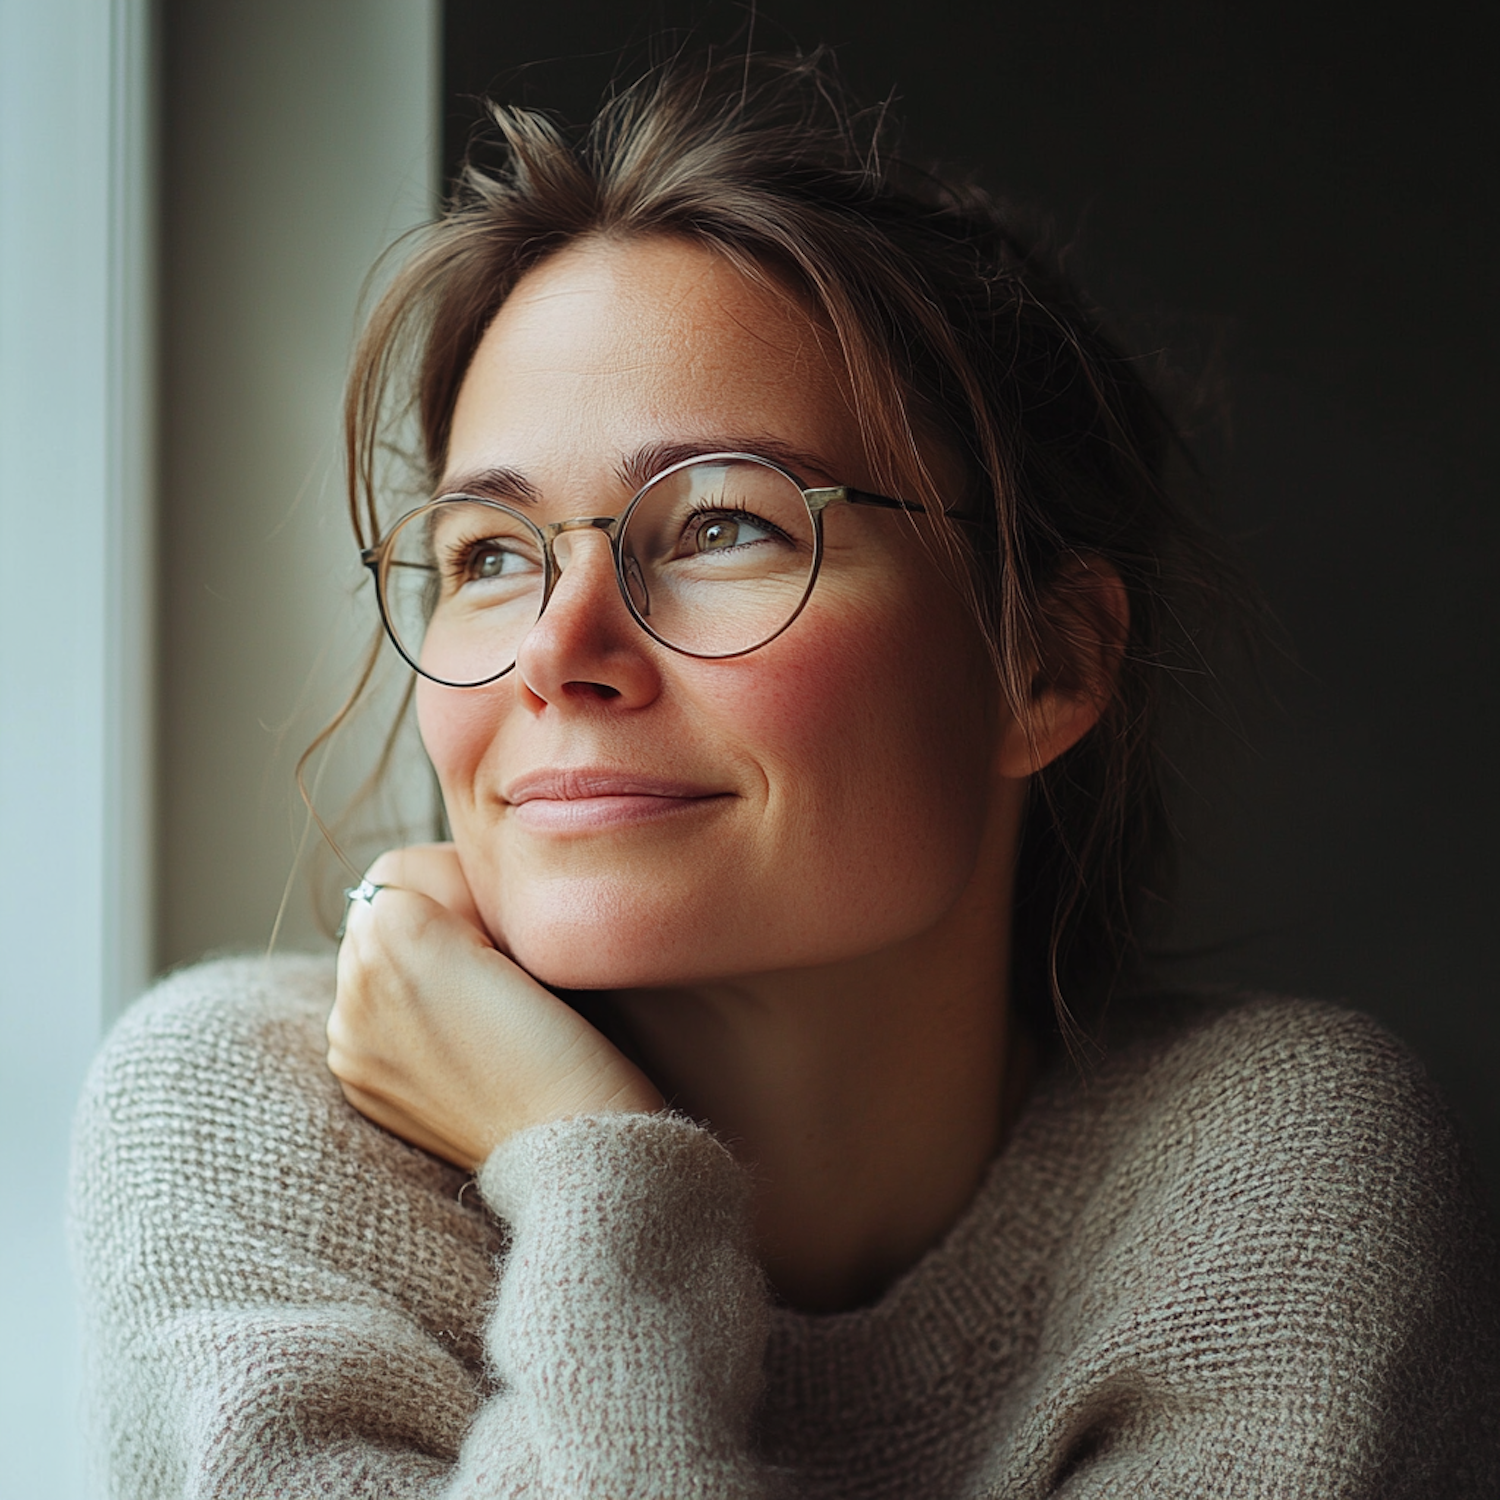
[[622, 1091]]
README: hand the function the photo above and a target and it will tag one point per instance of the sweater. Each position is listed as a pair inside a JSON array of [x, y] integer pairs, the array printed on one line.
[[1238, 1256]]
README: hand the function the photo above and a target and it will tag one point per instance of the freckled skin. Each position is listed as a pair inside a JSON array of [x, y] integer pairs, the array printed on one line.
[[856, 751]]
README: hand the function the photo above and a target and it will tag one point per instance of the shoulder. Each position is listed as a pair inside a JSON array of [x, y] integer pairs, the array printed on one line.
[[1255, 1085], [220, 1069], [1279, 1126], [213, 1149], [1270, 1219], [253, 1255], [1232, 1029], [220, 1015], [231, 1049]]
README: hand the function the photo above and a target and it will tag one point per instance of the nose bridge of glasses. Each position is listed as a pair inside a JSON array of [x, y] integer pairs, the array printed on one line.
[[609, 525], [560, 540], [556, 530]]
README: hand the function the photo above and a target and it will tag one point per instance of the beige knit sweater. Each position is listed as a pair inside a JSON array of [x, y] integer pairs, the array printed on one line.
[[1240, 1261]]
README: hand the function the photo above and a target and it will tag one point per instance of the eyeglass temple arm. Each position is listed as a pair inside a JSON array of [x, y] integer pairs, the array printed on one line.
[[370, 557], [819, 499]]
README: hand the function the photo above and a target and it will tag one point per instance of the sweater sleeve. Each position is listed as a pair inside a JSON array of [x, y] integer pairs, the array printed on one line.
[[280, 1299], [1280, 1283], [630, 1320]]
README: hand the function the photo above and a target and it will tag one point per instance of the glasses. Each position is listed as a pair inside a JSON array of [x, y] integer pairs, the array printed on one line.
[[714, 557]]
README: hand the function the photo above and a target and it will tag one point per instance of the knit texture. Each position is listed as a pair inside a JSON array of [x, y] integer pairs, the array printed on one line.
[[1241, 1257]]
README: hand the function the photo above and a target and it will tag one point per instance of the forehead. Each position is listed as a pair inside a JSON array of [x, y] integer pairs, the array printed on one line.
[[611, 344]]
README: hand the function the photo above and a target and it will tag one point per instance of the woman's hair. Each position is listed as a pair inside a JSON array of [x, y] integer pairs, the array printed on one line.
[[958, 329]]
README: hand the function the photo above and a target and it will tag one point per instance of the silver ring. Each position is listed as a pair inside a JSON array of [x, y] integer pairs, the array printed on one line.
[[364, 891]]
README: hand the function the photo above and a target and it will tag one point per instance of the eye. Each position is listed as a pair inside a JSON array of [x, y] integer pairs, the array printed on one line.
[[490, 561], [716, 531]]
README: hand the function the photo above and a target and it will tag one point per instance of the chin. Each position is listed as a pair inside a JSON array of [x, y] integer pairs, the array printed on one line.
[[597, 957], [575, 964], [594, 934], [666, 922], [611, 950]]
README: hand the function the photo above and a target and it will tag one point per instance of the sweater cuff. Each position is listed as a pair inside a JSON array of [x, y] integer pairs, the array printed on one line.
[[660, 1166], [630, 1302]]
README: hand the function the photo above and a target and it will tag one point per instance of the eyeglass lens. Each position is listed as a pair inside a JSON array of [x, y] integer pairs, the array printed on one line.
[[716, 558]]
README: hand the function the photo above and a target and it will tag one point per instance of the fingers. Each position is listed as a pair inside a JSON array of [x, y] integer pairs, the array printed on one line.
[[395, 1119], [391, 1043], [388, 941], [440, 1038], [410, 911], [434, 871], [397, 948]]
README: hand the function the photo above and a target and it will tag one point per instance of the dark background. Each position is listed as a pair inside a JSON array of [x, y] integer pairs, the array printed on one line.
[[1298, 203]]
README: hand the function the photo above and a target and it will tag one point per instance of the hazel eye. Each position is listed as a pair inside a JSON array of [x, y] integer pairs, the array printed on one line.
[[717, 533], [484, 562], [491, 562]]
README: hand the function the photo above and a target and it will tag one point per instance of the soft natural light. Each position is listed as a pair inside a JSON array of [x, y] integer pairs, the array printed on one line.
[[330, 155]]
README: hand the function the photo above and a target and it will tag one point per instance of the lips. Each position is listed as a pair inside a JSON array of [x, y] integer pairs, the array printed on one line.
[[584, 798], [574, 784]]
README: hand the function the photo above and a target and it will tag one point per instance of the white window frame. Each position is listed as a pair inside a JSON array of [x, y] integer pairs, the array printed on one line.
[[76, 363], [79, 692]]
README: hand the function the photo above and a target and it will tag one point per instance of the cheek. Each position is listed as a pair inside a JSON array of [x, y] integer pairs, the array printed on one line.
[[875, 740], [877, 699], [457, 728]]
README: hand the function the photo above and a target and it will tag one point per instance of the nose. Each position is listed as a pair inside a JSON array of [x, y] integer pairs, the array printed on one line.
[[584, 646], [566, 534]]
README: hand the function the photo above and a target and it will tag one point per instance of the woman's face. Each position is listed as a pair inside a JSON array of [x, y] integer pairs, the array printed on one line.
[[627, 816]]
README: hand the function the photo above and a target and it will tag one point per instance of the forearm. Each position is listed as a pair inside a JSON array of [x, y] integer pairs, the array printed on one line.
[[631, 1314]]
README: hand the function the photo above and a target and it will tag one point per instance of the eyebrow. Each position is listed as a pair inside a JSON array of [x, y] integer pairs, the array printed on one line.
[[500, 482], [493, 483]]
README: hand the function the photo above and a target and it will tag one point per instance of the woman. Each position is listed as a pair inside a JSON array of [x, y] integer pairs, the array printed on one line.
[[793, 618]]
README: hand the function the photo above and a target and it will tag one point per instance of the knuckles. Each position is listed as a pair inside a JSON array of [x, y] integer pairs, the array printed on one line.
[[390, 951]]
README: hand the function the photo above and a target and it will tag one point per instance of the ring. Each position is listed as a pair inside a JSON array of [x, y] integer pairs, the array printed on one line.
[[365, 891]]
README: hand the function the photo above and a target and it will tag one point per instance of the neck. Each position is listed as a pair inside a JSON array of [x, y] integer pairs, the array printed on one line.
[[866, 1097]]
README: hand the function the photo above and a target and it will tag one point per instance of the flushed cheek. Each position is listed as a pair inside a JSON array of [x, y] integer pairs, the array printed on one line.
[[458, 728], [875, 754]]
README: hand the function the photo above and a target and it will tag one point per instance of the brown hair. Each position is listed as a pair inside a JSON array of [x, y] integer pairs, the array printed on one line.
[[954, 322]]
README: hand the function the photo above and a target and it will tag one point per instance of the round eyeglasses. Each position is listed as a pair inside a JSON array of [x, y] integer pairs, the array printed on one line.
[[715, 556]]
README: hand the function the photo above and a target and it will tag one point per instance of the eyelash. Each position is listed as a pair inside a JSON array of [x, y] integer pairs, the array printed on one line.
[[457, 556], [730, 513]]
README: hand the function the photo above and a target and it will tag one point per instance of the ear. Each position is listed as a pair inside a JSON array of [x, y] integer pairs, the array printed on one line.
[[1084, 628]]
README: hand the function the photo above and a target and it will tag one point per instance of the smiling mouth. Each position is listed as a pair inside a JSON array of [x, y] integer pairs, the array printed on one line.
[[582, 800]]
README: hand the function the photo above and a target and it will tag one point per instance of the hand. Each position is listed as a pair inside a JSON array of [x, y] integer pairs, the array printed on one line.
[[445, 1041]]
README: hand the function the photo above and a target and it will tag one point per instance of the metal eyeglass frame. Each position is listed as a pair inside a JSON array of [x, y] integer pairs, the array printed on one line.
[[378, 560]]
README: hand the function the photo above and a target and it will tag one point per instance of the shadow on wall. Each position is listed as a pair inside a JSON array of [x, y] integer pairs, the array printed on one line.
[[299, 142]]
